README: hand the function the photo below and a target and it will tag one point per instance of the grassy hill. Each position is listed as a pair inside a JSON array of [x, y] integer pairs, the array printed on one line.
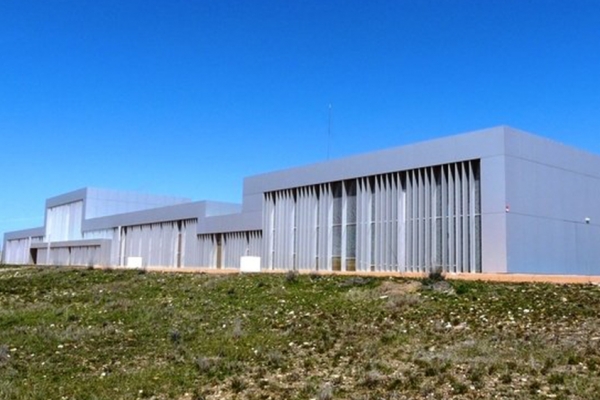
[[90, 334]]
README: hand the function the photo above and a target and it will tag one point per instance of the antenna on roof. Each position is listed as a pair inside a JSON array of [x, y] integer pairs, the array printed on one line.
[[329, 133]]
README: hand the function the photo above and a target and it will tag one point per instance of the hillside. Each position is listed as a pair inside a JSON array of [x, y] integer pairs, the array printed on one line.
[[90, 334]]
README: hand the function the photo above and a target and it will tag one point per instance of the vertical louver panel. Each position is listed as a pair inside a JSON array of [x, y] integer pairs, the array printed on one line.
[[417, 220], [17, 251], [207, 251], [64, 222], [236, 245]]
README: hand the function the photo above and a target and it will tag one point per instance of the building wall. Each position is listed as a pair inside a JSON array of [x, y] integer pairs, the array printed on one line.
[[418, 220], [498, 200], [70, 256], [176, 244], [493, 214], [103, 202], [17, 251], [72, 253], [551, 190], [63, 222]]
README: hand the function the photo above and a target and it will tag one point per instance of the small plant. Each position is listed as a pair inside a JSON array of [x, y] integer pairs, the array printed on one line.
[[197, 395], [314, 276], [275, 358], [291, 276], [460, 388], [204, 364], [175, 336], [506, 378], [4, 355], [534, 386], [591, 364], [413, 381], [556, 379], [573, 359], [237, 331], [237, 384], [436, 275], [476, 374], [373, 378], [548, 365], [461, 287], [325, 392]]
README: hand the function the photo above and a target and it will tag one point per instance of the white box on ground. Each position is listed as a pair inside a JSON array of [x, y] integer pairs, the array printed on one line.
[[250, 264], [134, 262]]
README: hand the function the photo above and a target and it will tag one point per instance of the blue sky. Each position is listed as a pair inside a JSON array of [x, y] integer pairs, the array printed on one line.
[[188, 97]]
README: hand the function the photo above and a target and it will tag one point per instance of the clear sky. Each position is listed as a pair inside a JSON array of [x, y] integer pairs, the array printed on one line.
[[188, 97]]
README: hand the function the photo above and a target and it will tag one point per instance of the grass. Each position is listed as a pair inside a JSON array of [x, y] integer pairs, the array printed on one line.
[[89, 334]]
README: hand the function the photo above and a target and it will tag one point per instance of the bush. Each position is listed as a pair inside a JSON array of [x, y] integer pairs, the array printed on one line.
[[436, 275], [291, 276]]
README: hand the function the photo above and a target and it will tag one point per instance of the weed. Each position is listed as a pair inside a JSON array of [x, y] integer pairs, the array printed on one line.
[[237, 331], [325, 392], [204, 364], [556, 379], [314, 276], [476, 373], [460, 388], [4, 355], [291, 276], [506, 378], [175, 336], [573, 359], [275, 359], [198, 395], [436, 275], [373, 378], [548, 365], [591, 364], [461, 288], [413, 381], [237, 384], [534, 386]]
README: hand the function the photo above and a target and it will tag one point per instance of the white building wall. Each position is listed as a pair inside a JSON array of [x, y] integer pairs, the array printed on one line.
[[418, 220], [85, 255], [155, 243], [206, 253], [64, 222], [99, 234], [235, 245], [17, 251], [553, 223]]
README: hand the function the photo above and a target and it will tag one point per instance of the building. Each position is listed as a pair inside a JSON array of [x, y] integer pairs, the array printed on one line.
[[492, 201]]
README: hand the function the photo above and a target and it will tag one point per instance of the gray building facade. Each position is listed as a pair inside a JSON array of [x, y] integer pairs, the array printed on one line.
[[497, 200]]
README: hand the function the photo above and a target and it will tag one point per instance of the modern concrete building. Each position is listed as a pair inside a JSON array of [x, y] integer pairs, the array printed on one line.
[[492, 201]]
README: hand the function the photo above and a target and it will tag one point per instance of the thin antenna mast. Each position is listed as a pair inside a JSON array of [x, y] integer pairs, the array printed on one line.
[[329, 133]]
